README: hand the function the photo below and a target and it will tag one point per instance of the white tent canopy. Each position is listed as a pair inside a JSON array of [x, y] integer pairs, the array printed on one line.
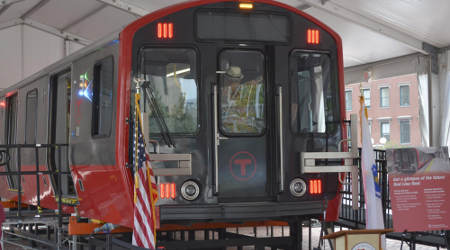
[[35, 33]]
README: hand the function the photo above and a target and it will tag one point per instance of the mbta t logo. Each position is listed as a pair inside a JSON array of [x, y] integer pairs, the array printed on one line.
[[242, 166]]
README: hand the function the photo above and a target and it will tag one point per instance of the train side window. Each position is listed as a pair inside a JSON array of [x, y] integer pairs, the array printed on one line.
[[102, 97], [171, 75], [11, 138], [31, 116], [312, 98]]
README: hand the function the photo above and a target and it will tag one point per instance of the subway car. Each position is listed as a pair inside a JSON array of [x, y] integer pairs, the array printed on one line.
[[232, 92]]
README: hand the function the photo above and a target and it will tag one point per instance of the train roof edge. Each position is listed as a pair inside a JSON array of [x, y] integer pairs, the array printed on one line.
[[133, 26]]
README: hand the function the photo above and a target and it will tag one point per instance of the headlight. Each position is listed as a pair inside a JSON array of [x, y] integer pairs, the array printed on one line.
[[190, 190], [297, 187]]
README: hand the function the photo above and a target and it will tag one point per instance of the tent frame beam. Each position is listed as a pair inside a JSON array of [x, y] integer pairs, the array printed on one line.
[[121, 5]]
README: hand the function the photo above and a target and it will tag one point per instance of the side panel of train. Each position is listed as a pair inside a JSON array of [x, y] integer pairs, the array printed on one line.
[[246, 146], [100, 185], [25, 120], [73, 103]]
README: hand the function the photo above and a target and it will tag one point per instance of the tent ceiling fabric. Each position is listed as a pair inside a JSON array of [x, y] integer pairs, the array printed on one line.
[[421, 19], [16, 10], [424, 19], [360, 44], [59, 13], [105, 21]]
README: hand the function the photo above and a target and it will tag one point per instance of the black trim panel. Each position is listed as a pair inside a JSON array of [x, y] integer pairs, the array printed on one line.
[[251, 211]]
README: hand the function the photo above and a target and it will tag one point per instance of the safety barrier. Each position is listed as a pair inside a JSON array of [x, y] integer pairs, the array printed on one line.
[[21, 218]]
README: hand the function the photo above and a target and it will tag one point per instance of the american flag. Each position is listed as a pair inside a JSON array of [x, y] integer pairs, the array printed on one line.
[[145, 192]]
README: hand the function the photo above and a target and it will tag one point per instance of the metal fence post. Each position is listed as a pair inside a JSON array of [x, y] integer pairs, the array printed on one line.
[[38, 185], [59, 191], [19, 188]]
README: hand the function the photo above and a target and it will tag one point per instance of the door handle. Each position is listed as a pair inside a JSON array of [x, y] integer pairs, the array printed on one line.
[[216, 140], [280, 136]]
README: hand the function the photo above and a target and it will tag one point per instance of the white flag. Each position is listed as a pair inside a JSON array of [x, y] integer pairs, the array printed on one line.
[[372, 189]]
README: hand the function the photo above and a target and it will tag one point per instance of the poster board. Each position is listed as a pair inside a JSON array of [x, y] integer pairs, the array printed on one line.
[[419, 188]]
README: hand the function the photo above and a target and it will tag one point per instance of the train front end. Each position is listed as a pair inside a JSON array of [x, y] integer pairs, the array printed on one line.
[[231, 94]]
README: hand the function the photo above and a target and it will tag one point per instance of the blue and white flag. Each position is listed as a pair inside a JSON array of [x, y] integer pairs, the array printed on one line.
[[372, 189]]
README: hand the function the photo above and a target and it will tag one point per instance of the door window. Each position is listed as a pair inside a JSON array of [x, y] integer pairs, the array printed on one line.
[[242, 92]]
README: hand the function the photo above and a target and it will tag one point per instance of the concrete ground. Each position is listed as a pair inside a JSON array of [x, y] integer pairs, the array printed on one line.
[[284, 231], [315, 236]]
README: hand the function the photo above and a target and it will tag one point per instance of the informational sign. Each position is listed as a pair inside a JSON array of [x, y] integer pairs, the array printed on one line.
[[419, 187]]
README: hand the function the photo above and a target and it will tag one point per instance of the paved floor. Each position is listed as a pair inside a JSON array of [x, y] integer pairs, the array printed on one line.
[[284, 231], [315, 236]]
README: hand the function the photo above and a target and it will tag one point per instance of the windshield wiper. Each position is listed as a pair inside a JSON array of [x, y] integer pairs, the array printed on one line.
[[150, 95]]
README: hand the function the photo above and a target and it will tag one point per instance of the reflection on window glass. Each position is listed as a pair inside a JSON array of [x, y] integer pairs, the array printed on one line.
[[312, 94], [171, 74], [242, 92]]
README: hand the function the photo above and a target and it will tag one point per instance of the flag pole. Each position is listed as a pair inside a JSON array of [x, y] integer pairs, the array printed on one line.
[[136, 179]]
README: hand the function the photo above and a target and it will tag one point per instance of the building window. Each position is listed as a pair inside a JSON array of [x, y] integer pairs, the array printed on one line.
[[31, 116], [405, 131], [370, 126], [366, 95], [385, 130], [348, 100], [384, 97], [404, 95], [349, 134], [102, 97]]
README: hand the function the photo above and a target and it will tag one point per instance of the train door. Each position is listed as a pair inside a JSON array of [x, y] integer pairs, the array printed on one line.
[[60, 91], [240, 122], [10, 134]]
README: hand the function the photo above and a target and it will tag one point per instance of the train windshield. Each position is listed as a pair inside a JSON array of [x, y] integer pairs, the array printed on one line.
[[170, 74], [312, 92]]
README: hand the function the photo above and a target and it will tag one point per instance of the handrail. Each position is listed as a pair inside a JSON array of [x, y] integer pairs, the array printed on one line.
[[19, 173], [216, 139], [280, 136]]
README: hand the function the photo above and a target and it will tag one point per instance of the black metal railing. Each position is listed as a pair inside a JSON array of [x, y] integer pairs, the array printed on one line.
[[12, 158]]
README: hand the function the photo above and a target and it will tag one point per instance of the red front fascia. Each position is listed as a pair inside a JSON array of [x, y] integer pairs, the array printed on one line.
[[103, 196], [123, 95]]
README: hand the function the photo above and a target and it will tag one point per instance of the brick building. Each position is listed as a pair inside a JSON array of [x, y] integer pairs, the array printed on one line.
[[393, 109]]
